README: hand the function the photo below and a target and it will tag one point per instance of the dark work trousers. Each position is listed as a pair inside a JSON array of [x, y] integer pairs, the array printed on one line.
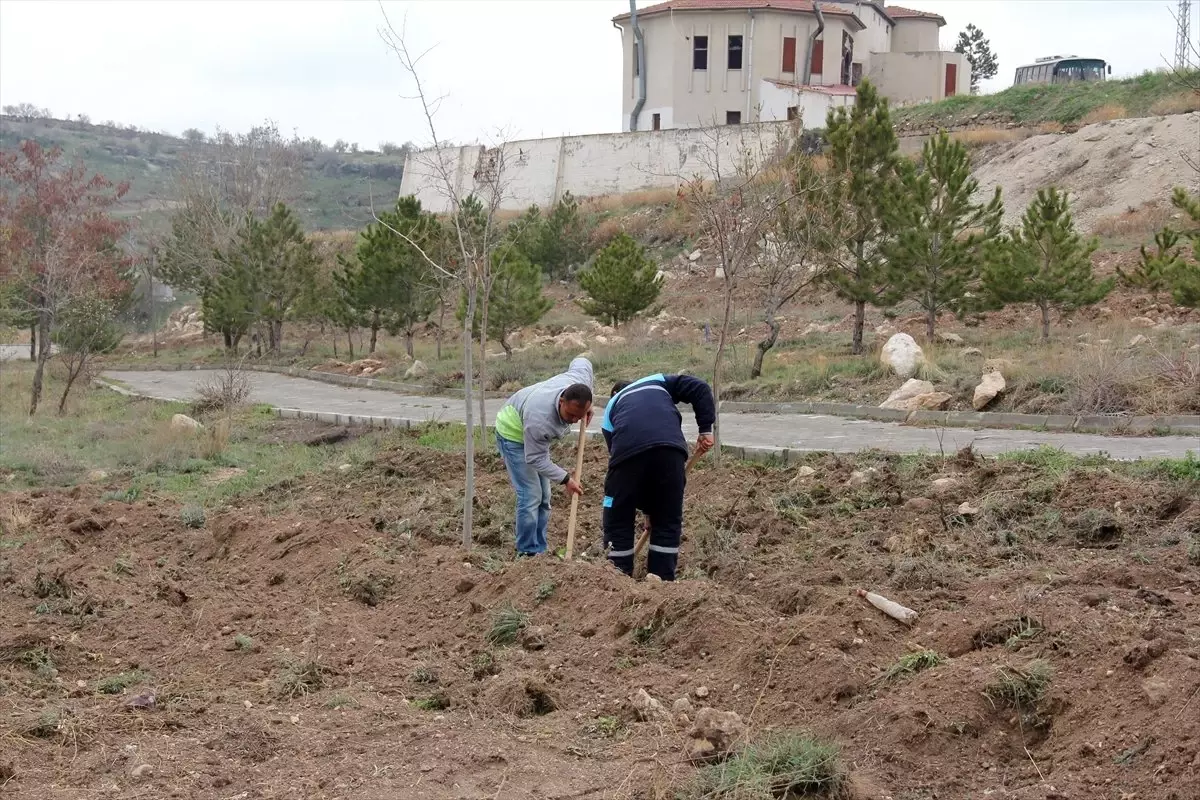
[[651, 481]]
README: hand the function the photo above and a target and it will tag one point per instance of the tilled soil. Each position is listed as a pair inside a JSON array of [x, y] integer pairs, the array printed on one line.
[[340, 648]]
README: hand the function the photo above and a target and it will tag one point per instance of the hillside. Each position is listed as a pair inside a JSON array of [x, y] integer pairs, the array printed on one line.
[[1149, 94], [335, 192]]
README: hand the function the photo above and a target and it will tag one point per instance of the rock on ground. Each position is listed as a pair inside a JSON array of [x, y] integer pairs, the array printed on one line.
[[184, 423], [915, 394], [417, 370], [714, 734], [991, 387], [902, 355]]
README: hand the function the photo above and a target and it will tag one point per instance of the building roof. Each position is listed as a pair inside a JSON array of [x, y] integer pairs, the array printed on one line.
[[898, 13], [797, 6]]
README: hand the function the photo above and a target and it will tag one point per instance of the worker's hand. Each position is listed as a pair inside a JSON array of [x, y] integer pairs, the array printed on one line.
[[573, 487], [588, 418], [704, 443]]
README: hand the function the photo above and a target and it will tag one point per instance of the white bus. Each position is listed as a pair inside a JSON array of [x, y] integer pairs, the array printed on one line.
[[1062, 69]]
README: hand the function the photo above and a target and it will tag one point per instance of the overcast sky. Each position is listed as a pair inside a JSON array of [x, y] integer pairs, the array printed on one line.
[[531, 67]]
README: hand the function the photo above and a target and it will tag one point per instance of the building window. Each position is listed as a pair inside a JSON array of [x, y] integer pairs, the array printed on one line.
[[789, 54], [699, 52], [733, 118], [855, 74], [656, 122], [793, 113], [735, 52], [818, 56]]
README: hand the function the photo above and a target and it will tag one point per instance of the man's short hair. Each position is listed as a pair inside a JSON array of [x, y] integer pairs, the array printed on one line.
[[579, 393], [618, 386]]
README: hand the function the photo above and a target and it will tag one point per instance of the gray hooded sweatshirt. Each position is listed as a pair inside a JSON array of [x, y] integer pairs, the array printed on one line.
[[533, 413]]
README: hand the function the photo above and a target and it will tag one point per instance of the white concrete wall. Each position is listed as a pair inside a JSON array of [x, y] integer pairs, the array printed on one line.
[[915, 34], [911, 78], [541, 170], [813, 106]]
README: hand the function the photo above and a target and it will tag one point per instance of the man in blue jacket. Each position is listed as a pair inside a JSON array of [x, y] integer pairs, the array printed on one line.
[[647, 455]]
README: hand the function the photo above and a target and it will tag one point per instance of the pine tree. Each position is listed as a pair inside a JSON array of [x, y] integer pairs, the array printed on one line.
[[286, 266], [516, 299], [978, 51], [935, 252], [229, 304], [1153, 271], [387, 282], [1045, 262], [1184, 275], [621, 282], [563, 239], [863, 159]]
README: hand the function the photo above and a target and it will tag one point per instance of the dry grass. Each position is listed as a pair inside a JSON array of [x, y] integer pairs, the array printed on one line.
[[1181, 103], [1105, 113], [1050, 127], [1135, 223], [980, 137], [216, 438], [661, 196], [15, 520]]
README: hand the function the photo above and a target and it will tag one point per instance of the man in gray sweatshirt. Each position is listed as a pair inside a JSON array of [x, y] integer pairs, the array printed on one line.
[[525, 426]]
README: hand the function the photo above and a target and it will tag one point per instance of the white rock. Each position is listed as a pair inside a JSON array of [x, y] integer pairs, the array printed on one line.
[[903, 355], [949, 338], [1144, 322], [967, 510], [694, 257], [701, 692], [1138, 340], [805, 472], [988, 389], [182, 422], [862, 477], [719, 272], [973, 351], [417, 370], [913, 387]]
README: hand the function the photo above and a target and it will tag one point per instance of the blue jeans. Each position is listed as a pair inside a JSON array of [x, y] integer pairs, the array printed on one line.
[[533, 498]]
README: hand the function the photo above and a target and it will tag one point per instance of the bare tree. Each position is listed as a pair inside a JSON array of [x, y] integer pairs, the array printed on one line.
[[735, 198], [467, 262], [795, 251], [218, 186]]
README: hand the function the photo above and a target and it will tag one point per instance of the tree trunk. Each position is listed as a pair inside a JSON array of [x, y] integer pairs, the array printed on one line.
[[860, 317], [1045, 321], [43, 355], [72, 374], [408, 343], [716, 384], [441, 326], [765, 345], [508, 351], [468, 367], [350, 342], [227, 336], [33, 341], [930, 322], [277, 337], [483, 322], [374, 332]]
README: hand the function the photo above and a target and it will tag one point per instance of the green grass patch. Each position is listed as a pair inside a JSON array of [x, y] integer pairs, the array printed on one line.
[[116, 684], [1055, 103], [912, 663], [507, 623], [791, 765]]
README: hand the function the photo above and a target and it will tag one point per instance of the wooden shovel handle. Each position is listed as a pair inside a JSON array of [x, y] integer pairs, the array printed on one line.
[[575, 497]]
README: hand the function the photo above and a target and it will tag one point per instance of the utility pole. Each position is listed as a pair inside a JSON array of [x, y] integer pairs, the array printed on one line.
[[1183, 37]]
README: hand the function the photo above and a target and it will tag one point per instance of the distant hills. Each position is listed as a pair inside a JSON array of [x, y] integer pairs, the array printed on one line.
[[335, 192]]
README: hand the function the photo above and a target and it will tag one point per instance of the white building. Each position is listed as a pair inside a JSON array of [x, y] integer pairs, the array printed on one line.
[[696, 63]]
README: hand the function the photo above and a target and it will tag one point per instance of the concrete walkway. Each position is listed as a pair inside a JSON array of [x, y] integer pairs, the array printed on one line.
[[793, 432]]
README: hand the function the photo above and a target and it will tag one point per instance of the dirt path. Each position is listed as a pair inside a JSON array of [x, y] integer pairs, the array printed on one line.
[[792, 431]]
